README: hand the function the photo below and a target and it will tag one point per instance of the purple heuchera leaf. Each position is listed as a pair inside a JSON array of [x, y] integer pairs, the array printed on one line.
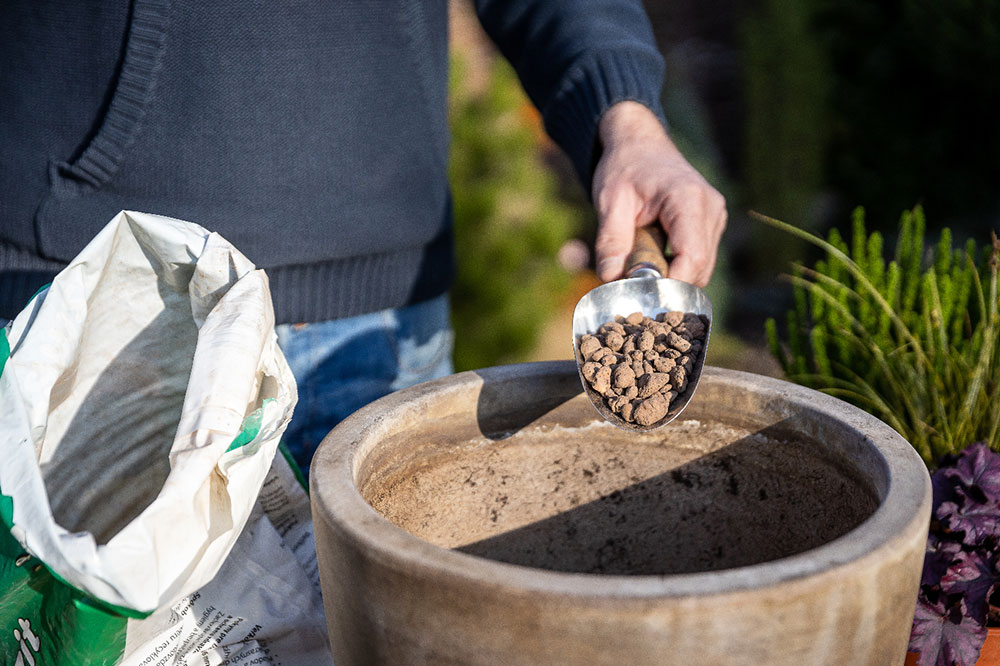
[[944, 486], [938, 558], [978, 467], [974, 576], [943, 635], [978, 521]]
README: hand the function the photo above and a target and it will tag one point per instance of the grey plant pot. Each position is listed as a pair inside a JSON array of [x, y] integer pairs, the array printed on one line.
[[491, 517]]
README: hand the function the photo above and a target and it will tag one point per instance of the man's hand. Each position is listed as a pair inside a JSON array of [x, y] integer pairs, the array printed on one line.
[[642, 179]]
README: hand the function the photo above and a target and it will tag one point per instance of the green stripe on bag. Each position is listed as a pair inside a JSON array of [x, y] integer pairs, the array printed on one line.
[[4, 349], [251, 428], [49, 621]]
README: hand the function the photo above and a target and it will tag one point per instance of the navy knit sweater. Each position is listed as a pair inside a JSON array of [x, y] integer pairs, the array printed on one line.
[[312, 134]]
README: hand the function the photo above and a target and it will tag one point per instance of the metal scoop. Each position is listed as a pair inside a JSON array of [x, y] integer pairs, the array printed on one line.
[[646, 289]]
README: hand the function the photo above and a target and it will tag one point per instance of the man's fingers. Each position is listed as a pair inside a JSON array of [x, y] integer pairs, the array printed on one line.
[[694, 226], [617, 208], [693, 258], [694, 270]]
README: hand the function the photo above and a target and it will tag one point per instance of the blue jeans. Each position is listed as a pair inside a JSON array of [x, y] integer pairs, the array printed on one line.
[[343, 364]]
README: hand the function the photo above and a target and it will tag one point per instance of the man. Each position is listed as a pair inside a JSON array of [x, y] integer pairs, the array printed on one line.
[[313, 136]]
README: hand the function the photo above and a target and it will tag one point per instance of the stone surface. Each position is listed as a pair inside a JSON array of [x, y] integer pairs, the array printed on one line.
[[511, 525]]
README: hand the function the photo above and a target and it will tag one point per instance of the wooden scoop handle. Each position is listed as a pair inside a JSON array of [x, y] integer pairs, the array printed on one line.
[[647, 251]]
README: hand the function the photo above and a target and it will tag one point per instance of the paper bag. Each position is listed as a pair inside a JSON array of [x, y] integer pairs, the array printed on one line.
[[147, 518]]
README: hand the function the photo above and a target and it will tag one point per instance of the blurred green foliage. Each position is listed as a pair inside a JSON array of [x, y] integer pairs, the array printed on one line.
[[510, 222], [886, 103], [786, 89], [914, 341], [786, 85]]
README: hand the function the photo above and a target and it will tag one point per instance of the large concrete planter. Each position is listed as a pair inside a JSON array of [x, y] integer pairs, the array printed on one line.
[[491, 518]]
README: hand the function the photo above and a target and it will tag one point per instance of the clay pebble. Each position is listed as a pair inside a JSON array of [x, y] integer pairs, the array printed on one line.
[[588, 345], [651, 410], [622, 377], [653, 382], [614, 340], [602, 380]]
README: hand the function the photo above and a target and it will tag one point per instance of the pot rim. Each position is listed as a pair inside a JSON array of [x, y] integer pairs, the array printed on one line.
[[902, 514]]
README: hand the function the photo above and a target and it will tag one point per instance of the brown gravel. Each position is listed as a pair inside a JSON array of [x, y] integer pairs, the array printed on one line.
[[641, 365]]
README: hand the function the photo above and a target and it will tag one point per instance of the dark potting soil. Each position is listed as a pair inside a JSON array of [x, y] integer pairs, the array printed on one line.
[[692, 497], [641, 365]]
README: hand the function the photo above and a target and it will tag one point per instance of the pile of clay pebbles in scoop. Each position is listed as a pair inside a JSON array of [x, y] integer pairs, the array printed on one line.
[[641, 365]]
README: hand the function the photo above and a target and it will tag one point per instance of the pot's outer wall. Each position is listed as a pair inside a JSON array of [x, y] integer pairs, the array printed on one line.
[[391, 598]]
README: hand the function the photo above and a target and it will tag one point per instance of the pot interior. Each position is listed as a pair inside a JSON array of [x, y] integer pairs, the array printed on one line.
[[568, 492]]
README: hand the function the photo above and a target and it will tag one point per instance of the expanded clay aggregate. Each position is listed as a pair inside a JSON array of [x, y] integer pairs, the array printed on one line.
[[641, 365]]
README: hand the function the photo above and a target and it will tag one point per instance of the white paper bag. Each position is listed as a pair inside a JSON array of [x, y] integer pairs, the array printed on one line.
[[143, 400]]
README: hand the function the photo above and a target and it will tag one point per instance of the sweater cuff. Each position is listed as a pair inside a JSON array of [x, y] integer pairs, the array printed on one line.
[[596, 82]]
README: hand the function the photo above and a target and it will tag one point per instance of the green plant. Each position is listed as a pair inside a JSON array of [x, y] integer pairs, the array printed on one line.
[[912, 341], [510, 221]]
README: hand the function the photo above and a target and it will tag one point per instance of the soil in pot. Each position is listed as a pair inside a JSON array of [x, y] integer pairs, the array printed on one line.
[[695, 496]]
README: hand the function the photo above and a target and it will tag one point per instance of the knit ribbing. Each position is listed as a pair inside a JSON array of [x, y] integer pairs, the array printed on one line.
[[309, 292], [318, 292], [135, 86], [22, 274]]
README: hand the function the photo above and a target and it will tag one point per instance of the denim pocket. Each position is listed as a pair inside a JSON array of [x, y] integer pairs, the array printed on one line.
[[424, 343]]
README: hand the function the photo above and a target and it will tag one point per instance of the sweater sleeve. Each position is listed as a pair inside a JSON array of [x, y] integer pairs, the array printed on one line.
[[576, 58]]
